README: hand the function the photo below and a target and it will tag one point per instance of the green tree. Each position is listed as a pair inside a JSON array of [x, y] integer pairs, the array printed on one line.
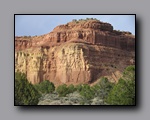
[[62, 90], [102, 88], [78, 87], [25, 93], [20, 76], [45, 87], [129, 73], [74, 20], [123, 93], [71, 88], [87, 92]]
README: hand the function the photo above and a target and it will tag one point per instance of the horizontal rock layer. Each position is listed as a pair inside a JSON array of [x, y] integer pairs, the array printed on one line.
[[75, 53], [71, 62]]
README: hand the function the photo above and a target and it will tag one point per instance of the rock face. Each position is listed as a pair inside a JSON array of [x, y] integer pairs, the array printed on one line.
[[78, 52]]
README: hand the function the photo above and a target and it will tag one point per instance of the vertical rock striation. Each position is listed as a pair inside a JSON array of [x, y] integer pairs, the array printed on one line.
[[78, 52]]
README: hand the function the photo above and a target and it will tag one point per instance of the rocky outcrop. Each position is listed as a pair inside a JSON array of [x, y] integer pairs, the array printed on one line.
[[92, 31], [75, 53]]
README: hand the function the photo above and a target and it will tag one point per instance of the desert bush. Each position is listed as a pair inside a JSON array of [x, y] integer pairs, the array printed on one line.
[[129, 73], [63, 90], [45, 87], [78, 87], [71, 88], [102, 88], [123, 93], [74, 20], [86, 92], [25, 93]]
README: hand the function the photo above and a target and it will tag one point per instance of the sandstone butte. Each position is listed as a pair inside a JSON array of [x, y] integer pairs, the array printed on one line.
[[74, 53]]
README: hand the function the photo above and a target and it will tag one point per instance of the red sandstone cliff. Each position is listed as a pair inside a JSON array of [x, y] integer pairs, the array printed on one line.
[[77, 52]]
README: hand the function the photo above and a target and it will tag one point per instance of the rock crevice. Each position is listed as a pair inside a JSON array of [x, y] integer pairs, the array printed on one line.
[[75, 53]]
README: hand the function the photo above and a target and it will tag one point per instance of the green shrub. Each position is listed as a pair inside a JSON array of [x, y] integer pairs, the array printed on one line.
[[129, 73], [20, 76], [74, 20], [78, 88], [87, 92], [71, 88], [102, 88], [62, 90], [25, 93], [45, 87], [123, 93]]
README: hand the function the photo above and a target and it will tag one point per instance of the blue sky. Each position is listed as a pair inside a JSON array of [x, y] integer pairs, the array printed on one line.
[[42, 24]]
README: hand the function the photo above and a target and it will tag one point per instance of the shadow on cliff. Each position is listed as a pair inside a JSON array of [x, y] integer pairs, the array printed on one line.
[[96, 108]]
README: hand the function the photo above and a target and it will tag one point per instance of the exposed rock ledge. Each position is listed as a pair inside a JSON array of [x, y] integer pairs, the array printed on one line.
[[75, 53]]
